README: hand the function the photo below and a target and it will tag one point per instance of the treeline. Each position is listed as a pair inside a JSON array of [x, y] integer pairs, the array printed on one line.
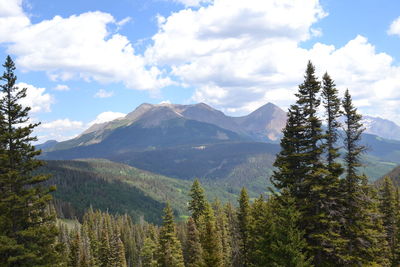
[[264, 232]]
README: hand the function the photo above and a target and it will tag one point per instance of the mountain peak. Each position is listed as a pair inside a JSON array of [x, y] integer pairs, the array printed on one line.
[[381, 127]]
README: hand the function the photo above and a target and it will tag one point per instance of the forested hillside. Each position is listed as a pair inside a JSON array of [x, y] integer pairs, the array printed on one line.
[[118, 189]]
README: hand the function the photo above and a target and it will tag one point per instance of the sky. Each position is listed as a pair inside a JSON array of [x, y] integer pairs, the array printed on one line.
[[91, 61]]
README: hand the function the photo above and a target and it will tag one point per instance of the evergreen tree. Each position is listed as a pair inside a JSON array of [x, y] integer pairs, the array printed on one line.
[[332, 243], [260, 233], [170, 250], [105, 253], [27, 229], [301, 170], [362, 227], [353, 130], [194, 251], [231, 215], [75, 251], [288, 246], [210, 242], [223, 232], [197, 203], [244, 226], [289, 165], [377, 252], [332, 106], [120, 254], [148, 253], [87, 258], [389, 212]]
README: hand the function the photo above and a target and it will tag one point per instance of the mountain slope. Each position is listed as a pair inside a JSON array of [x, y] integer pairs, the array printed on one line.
[[381, 127], [265, 123], [118, 188], [188, 141], [142, 137]]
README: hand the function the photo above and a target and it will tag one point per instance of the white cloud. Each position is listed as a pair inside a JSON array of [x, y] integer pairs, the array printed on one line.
[[394, 28], [80, 46], [12, 19], [60, 130], [61, 87], [65, 129], [106, 117], [36, 98], [240, 55], [103, 94], [62, 124]]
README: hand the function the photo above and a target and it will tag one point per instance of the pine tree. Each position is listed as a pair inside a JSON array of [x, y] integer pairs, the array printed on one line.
[[120, 254], [289, 165], [105, 254], [244, 226], [148, 253], [332, 106], [231, 215], [75, 250], [197, 203], [194, 251], [27, 229], [332, 243], [362, 227], [210, 242], [223, 232], [287, 245], [388, 208], [260, 233], [302, 172], [170, 250]]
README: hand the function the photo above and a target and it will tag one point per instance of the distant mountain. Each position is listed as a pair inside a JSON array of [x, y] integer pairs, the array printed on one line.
[[47, 145], [187, 141], [265, 123], [381, 127]]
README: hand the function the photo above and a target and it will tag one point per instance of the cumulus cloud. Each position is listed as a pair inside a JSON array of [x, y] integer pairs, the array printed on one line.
[[62, 124], [103, 94], [60, 130], [394, 28], [106, 117], [12, 19], [64, 129], [238, 55], [80, 46], [36, 98]]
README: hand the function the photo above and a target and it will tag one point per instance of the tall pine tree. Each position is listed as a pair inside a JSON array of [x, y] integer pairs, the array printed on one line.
[[244, 226], [210, 242], [170, 250], [302, 172], [194, 250], [27, 229], [332, 242], [198, 202], [387, 206], [287, 246], [362, 226]]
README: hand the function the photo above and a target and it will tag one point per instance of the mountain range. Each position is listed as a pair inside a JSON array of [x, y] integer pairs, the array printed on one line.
[[183, 142], [187, 141]]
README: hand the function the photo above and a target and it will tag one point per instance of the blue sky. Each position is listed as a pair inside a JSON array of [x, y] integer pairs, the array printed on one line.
[[92, 61]]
